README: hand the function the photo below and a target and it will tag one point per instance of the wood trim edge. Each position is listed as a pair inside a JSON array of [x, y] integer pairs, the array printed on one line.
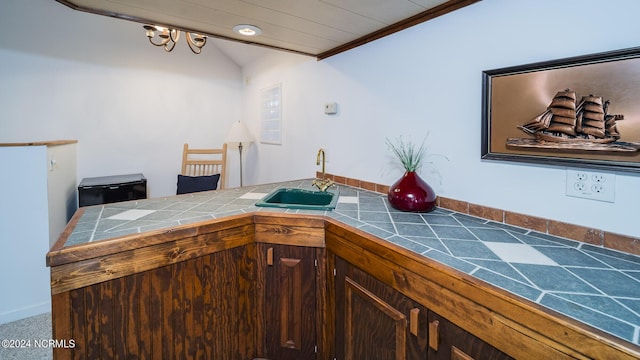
[[426, 15], [40, 143]]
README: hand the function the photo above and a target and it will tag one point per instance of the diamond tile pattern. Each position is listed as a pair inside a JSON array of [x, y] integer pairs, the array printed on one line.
[[594, 285]]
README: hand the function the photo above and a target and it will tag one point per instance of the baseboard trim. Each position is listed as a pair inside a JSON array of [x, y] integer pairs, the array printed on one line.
[[25, 312]]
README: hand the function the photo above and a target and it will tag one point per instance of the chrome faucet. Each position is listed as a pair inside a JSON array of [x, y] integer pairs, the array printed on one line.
[[322, 184]]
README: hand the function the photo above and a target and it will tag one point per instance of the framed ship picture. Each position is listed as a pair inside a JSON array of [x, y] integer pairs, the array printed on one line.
[[582, 111]]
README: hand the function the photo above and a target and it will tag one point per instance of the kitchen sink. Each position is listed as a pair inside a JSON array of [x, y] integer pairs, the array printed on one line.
[[291, 198]]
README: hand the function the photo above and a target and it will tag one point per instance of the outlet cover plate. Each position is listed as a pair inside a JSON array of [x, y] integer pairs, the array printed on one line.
[[591, 185]]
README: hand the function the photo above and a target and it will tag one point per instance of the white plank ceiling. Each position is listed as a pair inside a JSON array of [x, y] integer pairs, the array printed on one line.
[[313, 27]]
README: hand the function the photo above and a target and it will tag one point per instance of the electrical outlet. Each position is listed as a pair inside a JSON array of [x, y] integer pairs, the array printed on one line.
[[591, 185]]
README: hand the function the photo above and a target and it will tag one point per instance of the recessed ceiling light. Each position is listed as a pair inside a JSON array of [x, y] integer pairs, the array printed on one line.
[[247, 30]]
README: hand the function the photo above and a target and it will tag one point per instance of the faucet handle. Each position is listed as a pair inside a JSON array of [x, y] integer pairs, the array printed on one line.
[[323, 185]]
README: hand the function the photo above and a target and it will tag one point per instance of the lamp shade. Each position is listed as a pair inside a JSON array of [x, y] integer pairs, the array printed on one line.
[[239, 134]]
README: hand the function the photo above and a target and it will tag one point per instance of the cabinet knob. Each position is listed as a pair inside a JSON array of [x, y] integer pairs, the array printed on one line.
[[414, 323], [270, 256], [434, 337]]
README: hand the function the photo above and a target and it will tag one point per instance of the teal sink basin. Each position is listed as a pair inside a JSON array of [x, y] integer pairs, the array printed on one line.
[[300, 199]]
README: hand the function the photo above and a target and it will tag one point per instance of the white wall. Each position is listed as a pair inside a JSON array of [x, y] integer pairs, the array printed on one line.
[[429, 79], [72, 75], [24, 233], [62, 187]]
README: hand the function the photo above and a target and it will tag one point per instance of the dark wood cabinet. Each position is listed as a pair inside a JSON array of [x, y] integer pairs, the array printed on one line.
[[290, 301], [374, 321], [232, 289], [201, 308], [448, 341]]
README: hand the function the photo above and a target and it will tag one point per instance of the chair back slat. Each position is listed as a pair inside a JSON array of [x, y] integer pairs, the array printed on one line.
[[202, 162]]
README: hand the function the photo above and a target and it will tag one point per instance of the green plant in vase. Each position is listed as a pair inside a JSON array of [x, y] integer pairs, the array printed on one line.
[[410, 193]]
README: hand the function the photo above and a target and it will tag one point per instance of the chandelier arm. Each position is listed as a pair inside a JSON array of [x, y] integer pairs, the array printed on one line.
[[168, 47], [196, 51], [174, 35], [163, 42], [196, 47]]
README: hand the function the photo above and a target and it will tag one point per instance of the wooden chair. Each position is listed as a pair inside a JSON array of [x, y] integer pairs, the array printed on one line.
[[203, 162]]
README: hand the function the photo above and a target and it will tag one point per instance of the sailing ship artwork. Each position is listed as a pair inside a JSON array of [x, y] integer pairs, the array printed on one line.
[[572, 124]]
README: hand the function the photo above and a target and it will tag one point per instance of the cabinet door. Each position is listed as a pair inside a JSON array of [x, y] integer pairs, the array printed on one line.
[[290, 302], [448, 341], [374, 321]]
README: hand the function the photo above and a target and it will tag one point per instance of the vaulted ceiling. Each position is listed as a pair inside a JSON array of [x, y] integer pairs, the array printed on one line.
[[319, 28]]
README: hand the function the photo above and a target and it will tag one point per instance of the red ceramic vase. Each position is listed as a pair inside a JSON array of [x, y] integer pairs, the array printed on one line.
[[411, 193]]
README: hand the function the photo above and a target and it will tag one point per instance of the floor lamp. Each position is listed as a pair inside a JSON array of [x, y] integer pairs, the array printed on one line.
[[239, 134]]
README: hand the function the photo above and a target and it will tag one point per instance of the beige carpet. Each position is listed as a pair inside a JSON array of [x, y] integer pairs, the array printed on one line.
[[26, 339]]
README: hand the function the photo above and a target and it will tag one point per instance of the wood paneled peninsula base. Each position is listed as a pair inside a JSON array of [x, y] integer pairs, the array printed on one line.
[[280, 285]]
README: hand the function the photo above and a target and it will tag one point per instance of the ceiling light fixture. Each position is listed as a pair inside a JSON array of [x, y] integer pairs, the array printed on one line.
[[247, 30], [169, 37]]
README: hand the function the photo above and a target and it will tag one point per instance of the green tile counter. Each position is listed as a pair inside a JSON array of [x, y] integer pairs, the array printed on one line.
[[593, 285]]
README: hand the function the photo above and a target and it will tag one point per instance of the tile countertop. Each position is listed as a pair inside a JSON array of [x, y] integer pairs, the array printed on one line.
[[594, 285]]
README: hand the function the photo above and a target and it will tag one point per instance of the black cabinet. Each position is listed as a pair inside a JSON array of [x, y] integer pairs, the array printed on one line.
[[110, 189]]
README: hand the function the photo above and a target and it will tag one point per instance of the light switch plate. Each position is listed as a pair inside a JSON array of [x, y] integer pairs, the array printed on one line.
[[331, 108]]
